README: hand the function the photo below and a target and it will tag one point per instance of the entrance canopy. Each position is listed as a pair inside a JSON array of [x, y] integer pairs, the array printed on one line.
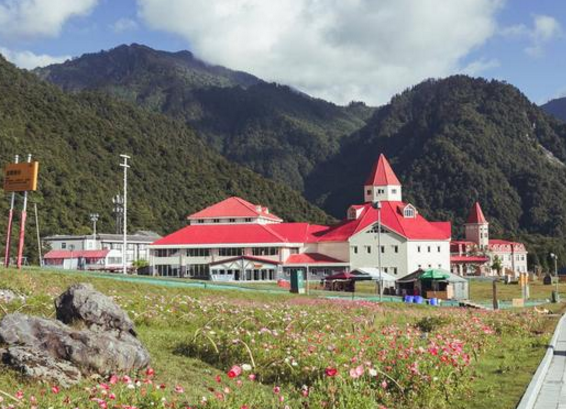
[[435, 274]]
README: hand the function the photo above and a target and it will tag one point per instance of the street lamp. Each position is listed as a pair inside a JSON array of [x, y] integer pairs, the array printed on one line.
[[555, 257], [94, 218], [377, 206]]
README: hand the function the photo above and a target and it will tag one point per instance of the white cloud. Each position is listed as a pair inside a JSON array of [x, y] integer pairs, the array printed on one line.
[[124, 24], [25, 19], [29, 60], [479, 66], [341, 50], [543, 30]]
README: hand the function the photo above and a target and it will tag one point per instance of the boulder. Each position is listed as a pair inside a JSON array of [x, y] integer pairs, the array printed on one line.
[[81, 302], [7, 296], [52, 350]]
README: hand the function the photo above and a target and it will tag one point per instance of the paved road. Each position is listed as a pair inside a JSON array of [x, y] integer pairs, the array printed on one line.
[[552, 395]]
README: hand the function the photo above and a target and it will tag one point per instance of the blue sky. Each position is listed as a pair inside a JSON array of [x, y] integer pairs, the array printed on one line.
[[339, 50]]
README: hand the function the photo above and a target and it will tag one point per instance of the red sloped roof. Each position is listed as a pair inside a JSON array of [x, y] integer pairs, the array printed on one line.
[[241, 233], [311, 258], [382, 174], [417, 228], [65, 254], [468, 259], [234, 207], [476, 215], [445, 227]]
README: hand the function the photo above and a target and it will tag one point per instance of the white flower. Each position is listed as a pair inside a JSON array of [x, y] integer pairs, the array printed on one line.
[[246, 367], [372, 372]]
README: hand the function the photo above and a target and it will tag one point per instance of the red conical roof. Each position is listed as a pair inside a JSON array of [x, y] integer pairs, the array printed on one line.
[[476, 215], [382, 174]]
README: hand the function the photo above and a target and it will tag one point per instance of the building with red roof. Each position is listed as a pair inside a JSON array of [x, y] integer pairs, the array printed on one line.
[[238, 240], [477, 253]]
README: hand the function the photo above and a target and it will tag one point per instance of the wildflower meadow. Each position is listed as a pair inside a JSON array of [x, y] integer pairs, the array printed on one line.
[[239, 350]]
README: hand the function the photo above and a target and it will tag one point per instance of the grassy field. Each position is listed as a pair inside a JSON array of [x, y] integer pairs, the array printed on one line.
[[403, 356]]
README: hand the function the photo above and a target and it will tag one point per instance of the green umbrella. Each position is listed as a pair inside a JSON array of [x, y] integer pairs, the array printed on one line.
[[435, 274]]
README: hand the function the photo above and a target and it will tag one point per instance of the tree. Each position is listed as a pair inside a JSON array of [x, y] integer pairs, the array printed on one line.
[[496, 265]]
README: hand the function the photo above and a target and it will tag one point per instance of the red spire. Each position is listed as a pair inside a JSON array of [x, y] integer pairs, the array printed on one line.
[[382, 174], [476, 215]]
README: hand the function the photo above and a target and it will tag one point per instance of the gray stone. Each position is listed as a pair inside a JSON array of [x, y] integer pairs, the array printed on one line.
[[7, 296], [51, 350], [81, 302]]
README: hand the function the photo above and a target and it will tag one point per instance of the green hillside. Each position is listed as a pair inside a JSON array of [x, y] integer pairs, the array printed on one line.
[[556, 107], [272, 129], [455, 141], [78, 139]]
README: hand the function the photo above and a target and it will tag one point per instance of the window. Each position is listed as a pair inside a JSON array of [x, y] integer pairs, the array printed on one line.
[[380, 191], [200, 221], [248, 219], [368, 249], [368, 191], [385, 269], [409, 211], [265, 251], [198, 252], [63, 245], [355, 249], [438, 248], [394, 270], [230, 251], [394, 191], [396, 249], [419, 249], [232, 220], [428, 249], [293, 250], [216, 221], [198, 270], [382, 249]]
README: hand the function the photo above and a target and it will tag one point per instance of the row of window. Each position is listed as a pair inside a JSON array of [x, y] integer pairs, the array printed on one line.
[[248, 275], [226, 252], [429, 249], [246, 220], [367, 249]]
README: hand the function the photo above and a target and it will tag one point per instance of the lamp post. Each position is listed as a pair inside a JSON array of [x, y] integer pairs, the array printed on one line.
[[377, 206], [555, 257], [94, 218], [125, 218]]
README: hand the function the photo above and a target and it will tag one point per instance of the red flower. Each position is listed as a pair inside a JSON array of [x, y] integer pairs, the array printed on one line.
[[55, 389], [234, 371], [149, 372], [330, 372], [218, 378]]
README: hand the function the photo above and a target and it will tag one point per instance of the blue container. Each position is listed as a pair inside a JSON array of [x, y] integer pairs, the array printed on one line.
[[433, 301], [409, 298], [417, 299]]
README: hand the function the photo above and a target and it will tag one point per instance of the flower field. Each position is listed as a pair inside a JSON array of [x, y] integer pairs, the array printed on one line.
[[232, 350]]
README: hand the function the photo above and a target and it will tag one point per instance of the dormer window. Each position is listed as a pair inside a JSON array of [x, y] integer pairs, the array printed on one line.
[[409, 212]]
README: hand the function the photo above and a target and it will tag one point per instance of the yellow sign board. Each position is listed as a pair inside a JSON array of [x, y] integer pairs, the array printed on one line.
[[21, 177]]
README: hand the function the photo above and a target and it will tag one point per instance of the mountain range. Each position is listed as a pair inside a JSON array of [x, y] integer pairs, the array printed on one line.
[[451, 141], [78, 138], [556, 107]]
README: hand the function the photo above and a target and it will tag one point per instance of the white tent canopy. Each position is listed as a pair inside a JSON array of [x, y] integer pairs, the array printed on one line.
[[373, 272]]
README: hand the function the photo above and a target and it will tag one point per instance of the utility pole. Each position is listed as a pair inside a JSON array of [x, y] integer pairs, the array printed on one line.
[[94, 218], [125, 220], [10, 219], [23, 226], [118, 202], [377, 206], [555, 257]]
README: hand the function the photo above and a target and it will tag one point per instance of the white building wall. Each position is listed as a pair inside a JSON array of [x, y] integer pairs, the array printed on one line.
[[393, 256], [336, 249], [428, 254], [382, 193]]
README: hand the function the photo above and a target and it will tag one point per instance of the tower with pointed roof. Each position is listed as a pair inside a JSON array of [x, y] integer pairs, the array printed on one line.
[[477, 227], [382, 184]]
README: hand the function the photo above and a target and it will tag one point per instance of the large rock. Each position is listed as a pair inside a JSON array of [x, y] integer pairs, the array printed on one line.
[[81, 302], [51, 350], [7, 296]]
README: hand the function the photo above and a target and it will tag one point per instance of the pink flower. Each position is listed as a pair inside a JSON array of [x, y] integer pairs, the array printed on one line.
[[19, 394], [113, 380], [276, 389], [55, 389], [234, 372], [330, 372], [357, 372], [251, 377], [384, 384], [179, 389]]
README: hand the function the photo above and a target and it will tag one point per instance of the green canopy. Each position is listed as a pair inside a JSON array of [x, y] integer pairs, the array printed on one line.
[[435, 274]]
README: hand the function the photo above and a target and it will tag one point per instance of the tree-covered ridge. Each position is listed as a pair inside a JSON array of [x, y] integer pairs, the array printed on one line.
[[77, 139], [272, 129], [456, 141], [556, 107]]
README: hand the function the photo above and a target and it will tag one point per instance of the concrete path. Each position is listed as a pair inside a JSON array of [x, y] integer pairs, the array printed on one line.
[[552, 393]]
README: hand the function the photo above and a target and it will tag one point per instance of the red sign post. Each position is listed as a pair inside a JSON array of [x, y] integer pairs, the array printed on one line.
[[19, 177]]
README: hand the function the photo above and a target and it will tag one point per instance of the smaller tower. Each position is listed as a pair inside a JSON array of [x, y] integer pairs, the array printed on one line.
[[477, 227], [382, 184]]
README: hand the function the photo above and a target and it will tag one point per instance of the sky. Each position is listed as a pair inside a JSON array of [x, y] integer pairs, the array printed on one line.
[[339, 50]]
